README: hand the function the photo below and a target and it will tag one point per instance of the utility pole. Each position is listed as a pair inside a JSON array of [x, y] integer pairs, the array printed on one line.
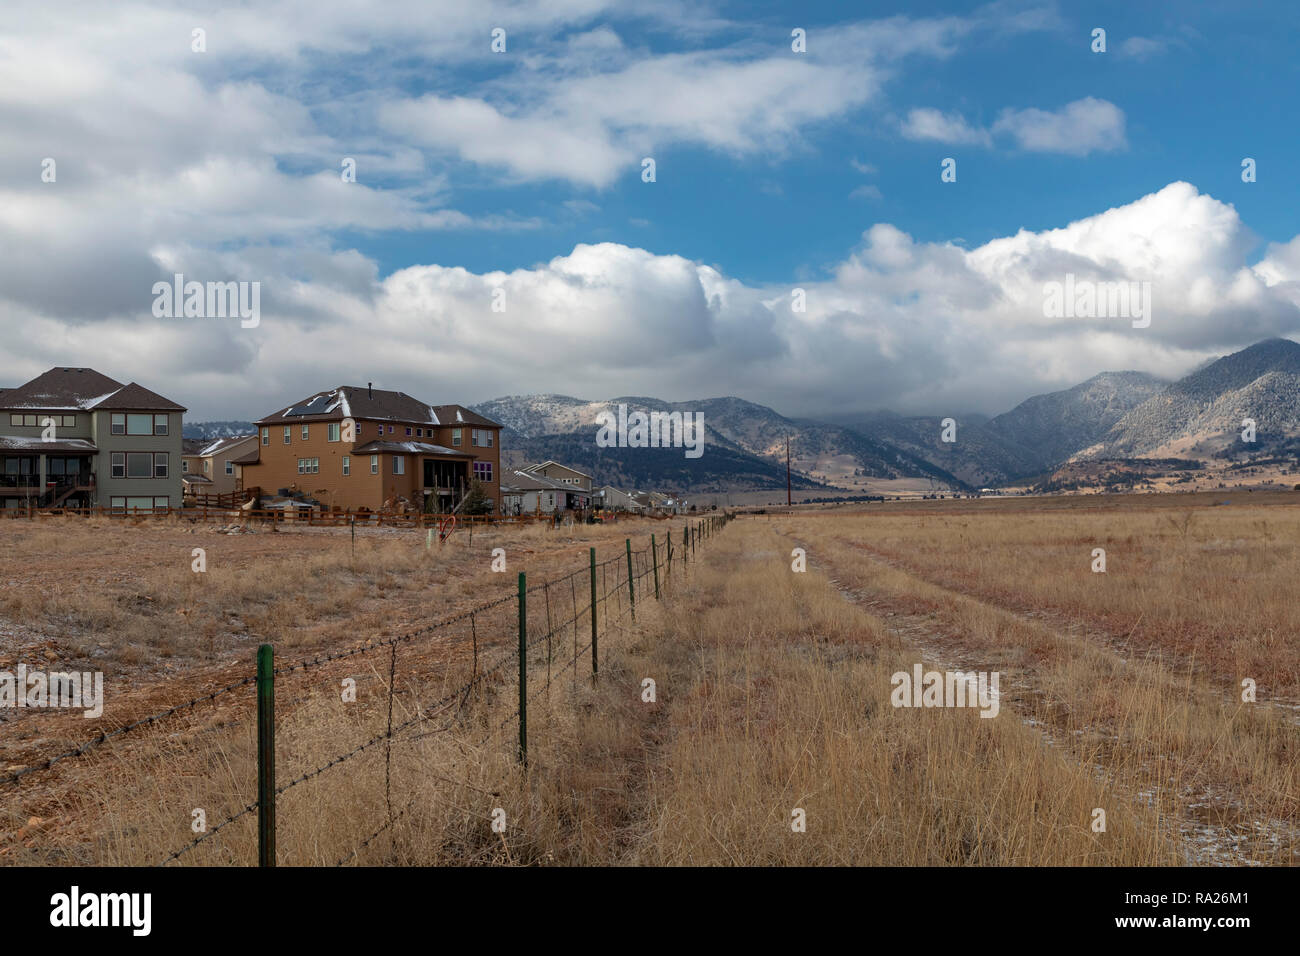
[[787, 471]]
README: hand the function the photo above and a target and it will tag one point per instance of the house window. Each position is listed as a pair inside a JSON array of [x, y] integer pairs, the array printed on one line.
[[161, 502], [455, 436], [399, 464], [15, 419], [374, 464], [302, 465], [483, 470], [419, 433], [309, 466], [160, 464], [390, 429], [332, 431], [139, 424], [185, 466], [481, 437], [207, 466], [230, 467], [347, 466], [304, 432], [69, 421], [266, 436], [119, 424], [119, 464], [288, 436], [160, 424], [139, 464]]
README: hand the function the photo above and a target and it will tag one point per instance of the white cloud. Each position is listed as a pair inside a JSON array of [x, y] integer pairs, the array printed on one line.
[[1084, 126], [931, 124]]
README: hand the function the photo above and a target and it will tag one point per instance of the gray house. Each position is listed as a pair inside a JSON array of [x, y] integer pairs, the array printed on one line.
[[73, 437]]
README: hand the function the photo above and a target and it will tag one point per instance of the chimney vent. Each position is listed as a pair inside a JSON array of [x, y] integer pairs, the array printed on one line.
[[369, 390]]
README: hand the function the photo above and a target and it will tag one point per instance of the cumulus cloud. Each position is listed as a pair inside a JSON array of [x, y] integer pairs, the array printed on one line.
[[930, 124], [1079, 128]]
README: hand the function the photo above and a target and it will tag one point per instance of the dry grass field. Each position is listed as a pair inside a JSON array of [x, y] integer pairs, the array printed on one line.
[[772, 738]]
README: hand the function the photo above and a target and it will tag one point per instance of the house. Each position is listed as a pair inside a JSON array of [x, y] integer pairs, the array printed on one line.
[[654, 502], [74, 437], [565, 475], [575, 484], [213, 467], [359, 448], [523, 492], [609, 498]]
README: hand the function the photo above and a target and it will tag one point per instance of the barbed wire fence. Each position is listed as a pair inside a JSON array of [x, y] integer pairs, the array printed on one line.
[[516, 633]]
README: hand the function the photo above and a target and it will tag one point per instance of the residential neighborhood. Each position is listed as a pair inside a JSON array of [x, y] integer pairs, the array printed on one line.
[[74, 438]]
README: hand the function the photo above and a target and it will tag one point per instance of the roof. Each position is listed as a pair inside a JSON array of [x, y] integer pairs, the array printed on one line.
[[193, 478], [515, 481], [557, 464], [62, 445], [72, 389], [217, 446], [251, 458], [349, 401], [407, 448]]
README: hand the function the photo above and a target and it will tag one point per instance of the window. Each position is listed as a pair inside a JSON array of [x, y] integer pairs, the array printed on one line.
[[304, 432], [347, 466], [481, 437], [207, 466], [119, 424], [69, 421], [266, 436], [161, 502], [374, 464], [288, 437], [399, 464], [118, 462], [230, 467], [139, 424], [390, 429], [160, 424], [15, 419], [455, 436], [139, 464], [483, 470], [315, 466], [302, 463], [308, 466], [419, 433], [332, 431], [408, 431], [160, 464], [185, 466]]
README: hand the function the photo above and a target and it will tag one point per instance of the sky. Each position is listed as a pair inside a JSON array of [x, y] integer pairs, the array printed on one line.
[[797, 245]]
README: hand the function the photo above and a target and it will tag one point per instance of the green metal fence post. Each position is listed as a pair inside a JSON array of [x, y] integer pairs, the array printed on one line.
[[265, 756], [631, 591], [523, 669], [593, 613], [654, 552]]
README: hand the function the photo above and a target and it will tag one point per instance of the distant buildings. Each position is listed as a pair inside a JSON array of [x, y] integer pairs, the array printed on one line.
[[216, 466]]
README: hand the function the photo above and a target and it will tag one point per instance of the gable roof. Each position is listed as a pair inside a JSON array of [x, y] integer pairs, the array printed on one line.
[[217, 446], [526, 481], [71, 389], [349, 401], [540, 465]]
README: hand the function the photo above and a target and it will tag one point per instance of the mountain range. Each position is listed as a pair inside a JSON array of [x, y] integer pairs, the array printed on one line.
[[1122, 415]]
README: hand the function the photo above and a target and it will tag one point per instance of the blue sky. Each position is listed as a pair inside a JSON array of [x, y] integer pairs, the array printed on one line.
[[518, 174]]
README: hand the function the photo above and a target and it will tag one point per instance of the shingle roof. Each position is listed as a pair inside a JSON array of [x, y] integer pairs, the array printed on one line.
[[526, 481], [350, 401], [59, 446], [216, 446], [70, 389]]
